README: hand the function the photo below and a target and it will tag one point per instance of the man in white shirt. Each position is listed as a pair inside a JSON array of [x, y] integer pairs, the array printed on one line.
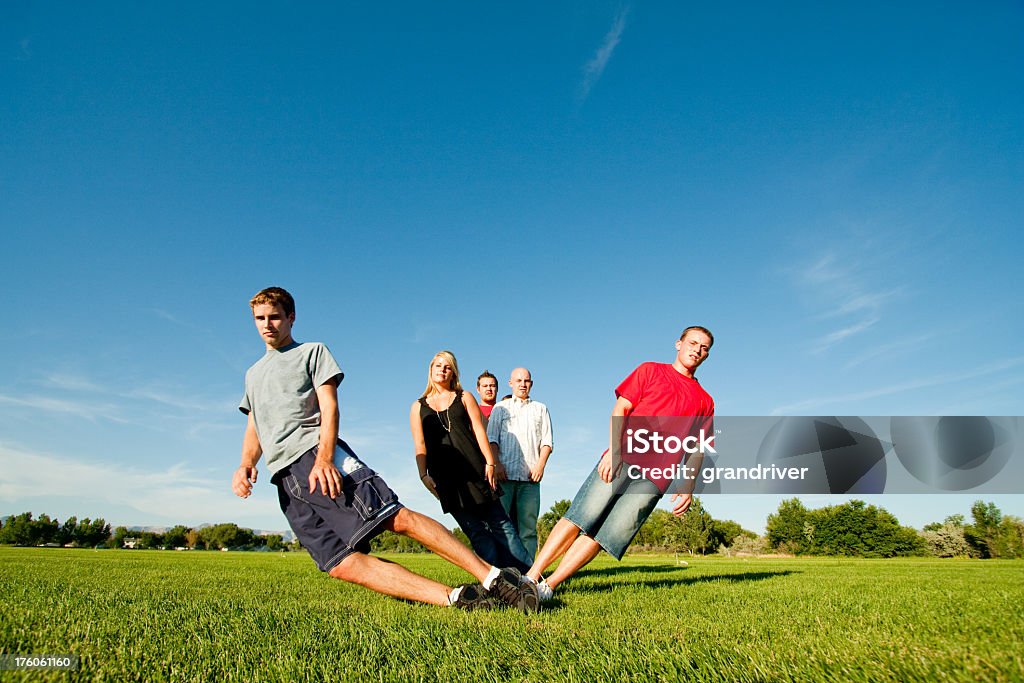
[[519, 431]]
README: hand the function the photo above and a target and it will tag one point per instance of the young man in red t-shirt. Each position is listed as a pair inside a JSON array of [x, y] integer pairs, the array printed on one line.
[[487, 390], [610, 508]]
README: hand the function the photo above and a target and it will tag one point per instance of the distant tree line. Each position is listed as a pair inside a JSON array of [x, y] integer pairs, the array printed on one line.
[[390, 542], [696, 532], [214, 537], [990, 535], [849, 529], [856, 529], [25, 530]]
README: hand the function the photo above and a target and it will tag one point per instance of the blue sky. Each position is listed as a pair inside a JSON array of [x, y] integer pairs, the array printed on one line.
[[834, 190]]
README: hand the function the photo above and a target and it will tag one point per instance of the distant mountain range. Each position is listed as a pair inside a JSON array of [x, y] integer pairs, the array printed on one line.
[[288, 536]]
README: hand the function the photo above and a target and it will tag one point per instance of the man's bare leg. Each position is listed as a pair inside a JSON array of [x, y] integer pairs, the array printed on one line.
[[580, 553], [438, 540], [390, 579], [558, 542]]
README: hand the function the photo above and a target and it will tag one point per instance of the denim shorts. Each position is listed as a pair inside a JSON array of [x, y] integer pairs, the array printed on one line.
[[612, 513], [332, 529]]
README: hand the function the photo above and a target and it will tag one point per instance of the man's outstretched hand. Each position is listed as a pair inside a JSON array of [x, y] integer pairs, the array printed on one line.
[[241, 483], [681, 503]]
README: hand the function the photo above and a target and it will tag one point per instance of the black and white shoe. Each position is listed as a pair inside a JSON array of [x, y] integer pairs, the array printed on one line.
[[514, 590], [472, 597]]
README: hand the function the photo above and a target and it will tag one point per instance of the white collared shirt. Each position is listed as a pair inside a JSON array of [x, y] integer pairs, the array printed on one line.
[[520, 428]]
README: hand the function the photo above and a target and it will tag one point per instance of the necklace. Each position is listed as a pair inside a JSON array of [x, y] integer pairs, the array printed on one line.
[[448, 426]]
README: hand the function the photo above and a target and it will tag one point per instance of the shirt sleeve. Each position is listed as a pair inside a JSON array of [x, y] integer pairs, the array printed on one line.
[[323, 367], [246, 404], [632, 388], [494, 424], [545, 430]]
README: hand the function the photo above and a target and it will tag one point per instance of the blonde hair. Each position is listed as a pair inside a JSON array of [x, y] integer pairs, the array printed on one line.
[[454, 385]]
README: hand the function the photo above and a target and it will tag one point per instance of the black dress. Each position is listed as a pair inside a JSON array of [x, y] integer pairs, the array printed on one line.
[[454, 460]]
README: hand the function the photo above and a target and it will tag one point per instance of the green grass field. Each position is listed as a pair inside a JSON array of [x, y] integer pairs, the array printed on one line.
[[139, 615]]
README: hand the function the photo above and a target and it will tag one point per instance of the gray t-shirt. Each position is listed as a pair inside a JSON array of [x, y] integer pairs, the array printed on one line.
[[280, 392]]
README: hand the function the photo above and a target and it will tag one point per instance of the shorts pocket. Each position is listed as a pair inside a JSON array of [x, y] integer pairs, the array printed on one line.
[[293, 486], [298, 488], [369, 494]]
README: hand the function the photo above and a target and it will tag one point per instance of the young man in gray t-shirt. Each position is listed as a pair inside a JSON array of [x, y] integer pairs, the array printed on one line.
[[334, 503]]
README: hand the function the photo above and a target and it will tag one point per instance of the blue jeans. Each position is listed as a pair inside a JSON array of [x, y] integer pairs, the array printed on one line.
[[612, 514], [492, 536], [521, 500]]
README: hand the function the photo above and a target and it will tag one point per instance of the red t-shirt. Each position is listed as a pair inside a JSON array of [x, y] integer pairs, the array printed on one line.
[[658, 390], [486, 409]]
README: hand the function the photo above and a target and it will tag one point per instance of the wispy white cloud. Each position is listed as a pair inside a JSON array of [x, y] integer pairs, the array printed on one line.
[[815, 404], [202, 336], [891, 348], [86, 398], [174, 493], [176, 400], [66, 382], [86, 409], [993, 397], [841, 334], [823, 270], [870, 301], [170, 317], [840, 289], [593, 69]]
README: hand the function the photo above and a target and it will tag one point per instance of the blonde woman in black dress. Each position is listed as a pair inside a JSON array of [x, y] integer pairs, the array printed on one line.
[[456, 464]]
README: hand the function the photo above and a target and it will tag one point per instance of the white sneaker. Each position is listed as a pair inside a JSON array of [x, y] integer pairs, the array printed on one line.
[[544, 591]]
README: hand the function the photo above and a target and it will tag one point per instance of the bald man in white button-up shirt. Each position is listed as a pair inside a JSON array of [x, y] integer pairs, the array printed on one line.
[[519, 431]]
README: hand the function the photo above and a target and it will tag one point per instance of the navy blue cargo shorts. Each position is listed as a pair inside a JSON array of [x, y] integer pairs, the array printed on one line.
[[332, 529]]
